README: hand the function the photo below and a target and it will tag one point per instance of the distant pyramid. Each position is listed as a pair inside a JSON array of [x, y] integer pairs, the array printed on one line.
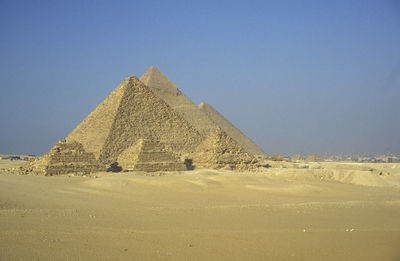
[[63, 158], [204, 118], [157, 80], [219, 150], [169, 92], [132, 111], [149, 155], [231, 130]]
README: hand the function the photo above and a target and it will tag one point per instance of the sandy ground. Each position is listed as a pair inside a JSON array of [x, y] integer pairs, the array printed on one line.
[[318, 211]]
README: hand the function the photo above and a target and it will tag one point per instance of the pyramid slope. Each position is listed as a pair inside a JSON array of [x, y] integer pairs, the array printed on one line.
[[149, 155], [142, 114], [231, 130], [65, 157], [219, 150], [169, 92], [93, 131]]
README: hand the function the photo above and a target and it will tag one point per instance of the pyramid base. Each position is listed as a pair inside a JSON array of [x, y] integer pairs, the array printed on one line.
[[156, 166]]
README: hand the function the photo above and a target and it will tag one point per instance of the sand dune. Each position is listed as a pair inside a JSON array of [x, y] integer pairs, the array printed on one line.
[[281, 213]]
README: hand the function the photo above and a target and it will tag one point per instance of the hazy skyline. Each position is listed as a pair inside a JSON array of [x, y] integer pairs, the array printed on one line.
[[294, 76]]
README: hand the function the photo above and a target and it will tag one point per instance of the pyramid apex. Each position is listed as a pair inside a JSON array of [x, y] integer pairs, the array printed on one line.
[[131, 78], [153, 68], [155, 79]]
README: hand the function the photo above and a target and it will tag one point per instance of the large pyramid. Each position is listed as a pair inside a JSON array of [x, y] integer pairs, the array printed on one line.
[[149, 155], [219, 150], [132, 111], [204, 118], [138, 127]]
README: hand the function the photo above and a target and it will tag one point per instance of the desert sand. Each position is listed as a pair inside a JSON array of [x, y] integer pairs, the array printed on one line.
[[289, 211]]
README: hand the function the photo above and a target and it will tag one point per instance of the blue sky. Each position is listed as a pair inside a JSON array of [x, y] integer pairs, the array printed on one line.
[[295, 76]]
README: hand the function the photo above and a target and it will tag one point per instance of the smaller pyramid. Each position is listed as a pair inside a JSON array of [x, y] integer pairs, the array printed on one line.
[[149, 155], [219, 150], [65, 157], [231, 130]]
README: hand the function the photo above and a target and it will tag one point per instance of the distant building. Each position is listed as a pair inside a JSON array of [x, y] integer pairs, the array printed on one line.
[[11, 158]]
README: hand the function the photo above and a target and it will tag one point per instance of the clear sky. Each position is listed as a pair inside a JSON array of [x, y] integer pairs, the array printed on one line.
[[295, 76]]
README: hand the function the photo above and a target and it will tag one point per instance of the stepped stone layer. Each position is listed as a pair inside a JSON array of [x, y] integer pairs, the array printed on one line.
[[204, 118], [149, 155], [65, 157], [169, 92], [221, 151], [248, 145]]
